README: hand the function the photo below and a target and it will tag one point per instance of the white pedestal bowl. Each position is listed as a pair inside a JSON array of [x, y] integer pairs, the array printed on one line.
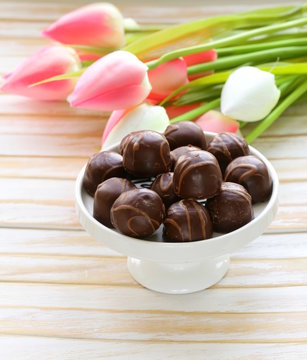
[[178, 268]]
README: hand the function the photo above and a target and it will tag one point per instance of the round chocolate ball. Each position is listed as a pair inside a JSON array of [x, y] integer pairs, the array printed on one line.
[[185, 133], [107, 192], [231, 208], [253, 174], [137, 212], [176, 153], [164, 187], [226, 147], [100, 167], [146, 153], [197, 175], [187, 220]]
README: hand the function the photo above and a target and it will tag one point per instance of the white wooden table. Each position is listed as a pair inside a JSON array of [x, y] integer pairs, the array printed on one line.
[[64, 296]]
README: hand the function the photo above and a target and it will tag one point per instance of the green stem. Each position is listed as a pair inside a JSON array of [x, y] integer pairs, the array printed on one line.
[[262, 46], [274, 115], [254, 58], [231, 40], [191, 115]]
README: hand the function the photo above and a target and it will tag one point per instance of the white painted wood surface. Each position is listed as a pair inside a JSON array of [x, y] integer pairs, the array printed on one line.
[[65, 296]]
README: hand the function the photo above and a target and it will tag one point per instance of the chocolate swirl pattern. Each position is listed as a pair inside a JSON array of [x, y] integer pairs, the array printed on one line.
[[137, 212], [231, 208], [185, 133], [187, 220], [250, 172], [100, 167], [105, 195], [145, 153], [197, 175], [227, 147], [164, 187]]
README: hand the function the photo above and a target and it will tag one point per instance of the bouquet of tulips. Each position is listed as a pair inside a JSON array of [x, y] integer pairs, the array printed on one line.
[[222, 72]]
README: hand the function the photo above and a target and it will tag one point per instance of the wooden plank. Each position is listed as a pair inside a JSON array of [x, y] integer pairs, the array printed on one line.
[[19, 105], [112, 298], [291, 170], [70, 243], [41, 167], [118, 325], [30, 347], [52, 125], [113, 271]]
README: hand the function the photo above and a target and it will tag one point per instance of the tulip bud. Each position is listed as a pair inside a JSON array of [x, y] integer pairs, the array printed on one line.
[[215, 121], [167, 77], [99, 25], [117, 81], [249, 94], [142, 117], [48, 62]]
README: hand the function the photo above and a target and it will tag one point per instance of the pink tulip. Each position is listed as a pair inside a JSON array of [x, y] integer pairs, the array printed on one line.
[[167, 77], [47, 62], [215, 121], [117, 81], [99, 25], [200, 58], [173, 111]]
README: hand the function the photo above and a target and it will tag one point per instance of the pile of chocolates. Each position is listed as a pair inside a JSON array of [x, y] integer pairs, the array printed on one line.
[[196, 188]]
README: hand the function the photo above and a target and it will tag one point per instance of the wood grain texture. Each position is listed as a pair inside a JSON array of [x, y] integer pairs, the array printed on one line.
[[64, 295]]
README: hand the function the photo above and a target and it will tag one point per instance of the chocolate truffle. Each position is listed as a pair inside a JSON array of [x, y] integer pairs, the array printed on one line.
[[185, 133], [100, 167], [231, 208], [105, 195], [163, 186], [253, 174], [137, 212], [176, 153], [226, 147], [146, 153], [197, 175], [187, 220]]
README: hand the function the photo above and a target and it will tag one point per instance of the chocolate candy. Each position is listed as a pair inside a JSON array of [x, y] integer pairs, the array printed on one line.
[[253, 174], [163, 186], [146, 153], [185, 133], [197, 175], [105, 195], [176, 153], [187, 220], [100, 167], [137, 212], [226, 147], [231, 208]]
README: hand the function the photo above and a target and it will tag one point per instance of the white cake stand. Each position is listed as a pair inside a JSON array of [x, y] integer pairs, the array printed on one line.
[[178, 268]]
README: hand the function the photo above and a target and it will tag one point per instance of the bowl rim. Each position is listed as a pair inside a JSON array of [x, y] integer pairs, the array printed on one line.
[[270, 207]]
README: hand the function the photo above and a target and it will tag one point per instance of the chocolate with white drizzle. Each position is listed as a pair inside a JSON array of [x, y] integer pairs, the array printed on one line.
[[187, 220], [137, 212], [252, 173], [145, 153], [197, 175], [226, 147], [231, 208], [185, 133], [163, 186]]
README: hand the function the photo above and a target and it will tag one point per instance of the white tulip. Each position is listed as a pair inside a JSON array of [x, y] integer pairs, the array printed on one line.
[[249, 94], [143, 117]]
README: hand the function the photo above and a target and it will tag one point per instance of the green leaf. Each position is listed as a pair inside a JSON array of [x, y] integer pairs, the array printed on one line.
[[73, 75]]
